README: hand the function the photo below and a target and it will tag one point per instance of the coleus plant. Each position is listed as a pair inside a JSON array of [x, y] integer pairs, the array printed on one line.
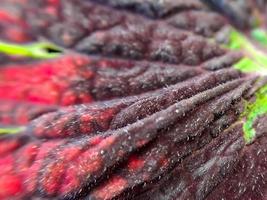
[[133, 99]]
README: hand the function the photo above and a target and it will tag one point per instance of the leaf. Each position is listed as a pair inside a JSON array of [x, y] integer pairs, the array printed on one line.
[[144, 103]]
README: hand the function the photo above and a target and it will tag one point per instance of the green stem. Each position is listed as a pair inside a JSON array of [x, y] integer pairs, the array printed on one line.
[[11, 130], [35, 50]]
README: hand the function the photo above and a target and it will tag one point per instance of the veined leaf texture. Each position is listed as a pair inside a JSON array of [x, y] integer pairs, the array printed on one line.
[[145, 100]]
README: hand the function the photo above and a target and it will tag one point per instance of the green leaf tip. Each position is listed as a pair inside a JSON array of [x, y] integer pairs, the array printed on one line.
[[248, 65], [11, 130], [259, 35], [252, 112], [40, 50], [255, 60]]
